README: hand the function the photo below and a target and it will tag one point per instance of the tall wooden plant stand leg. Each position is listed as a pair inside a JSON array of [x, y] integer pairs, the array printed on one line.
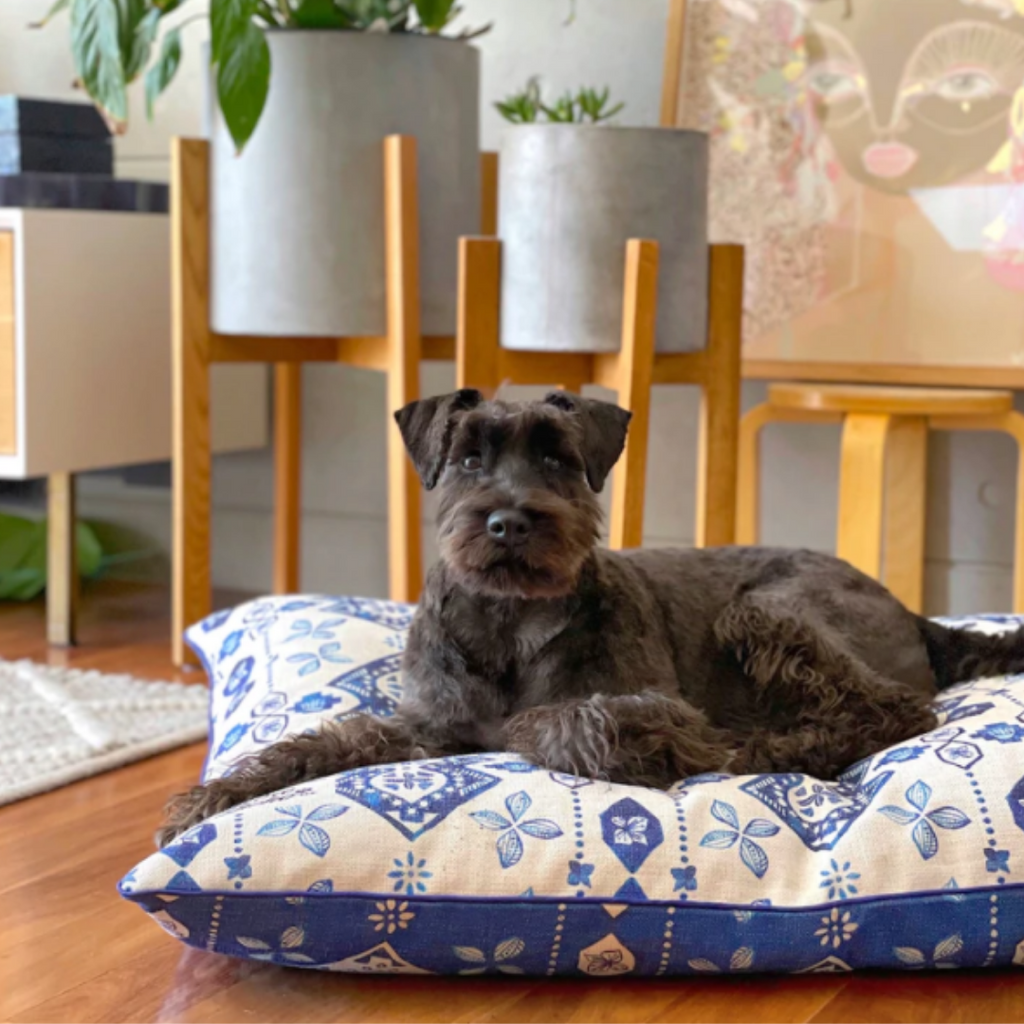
[[196, 347], [482, 362]]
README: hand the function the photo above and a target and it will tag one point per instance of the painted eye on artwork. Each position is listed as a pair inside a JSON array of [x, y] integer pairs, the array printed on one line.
[[963, 86], [833, 85]]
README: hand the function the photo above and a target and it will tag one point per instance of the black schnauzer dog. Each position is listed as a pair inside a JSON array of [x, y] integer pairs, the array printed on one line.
[[639, 667]]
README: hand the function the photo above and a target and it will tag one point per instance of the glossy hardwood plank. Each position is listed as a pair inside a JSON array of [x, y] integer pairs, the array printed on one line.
[[928, 998]]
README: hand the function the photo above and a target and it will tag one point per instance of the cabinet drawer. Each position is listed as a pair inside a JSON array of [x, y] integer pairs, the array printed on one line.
[[8, 381]]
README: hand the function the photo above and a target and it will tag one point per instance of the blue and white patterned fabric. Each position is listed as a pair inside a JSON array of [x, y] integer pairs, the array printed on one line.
[[468, 865]]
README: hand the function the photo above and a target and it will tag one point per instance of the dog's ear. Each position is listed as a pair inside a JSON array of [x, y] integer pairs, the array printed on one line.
[[604, 432], [426, 428]]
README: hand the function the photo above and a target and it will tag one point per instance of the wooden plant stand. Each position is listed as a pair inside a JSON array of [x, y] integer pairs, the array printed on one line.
[[196, 347], [481, 362]]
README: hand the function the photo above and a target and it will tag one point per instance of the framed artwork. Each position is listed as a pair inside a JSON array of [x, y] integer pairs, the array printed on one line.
[[870, 156]]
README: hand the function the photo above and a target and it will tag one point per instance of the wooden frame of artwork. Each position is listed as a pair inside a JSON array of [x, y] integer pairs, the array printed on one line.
[[978, 292]]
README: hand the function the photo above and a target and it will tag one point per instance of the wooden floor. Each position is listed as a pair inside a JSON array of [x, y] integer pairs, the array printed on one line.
[[72, 950]]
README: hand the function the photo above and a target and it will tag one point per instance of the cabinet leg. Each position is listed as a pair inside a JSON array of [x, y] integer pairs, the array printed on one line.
[[62, 562]]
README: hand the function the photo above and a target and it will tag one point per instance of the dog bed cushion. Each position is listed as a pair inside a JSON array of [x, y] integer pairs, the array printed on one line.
[[477, 864]]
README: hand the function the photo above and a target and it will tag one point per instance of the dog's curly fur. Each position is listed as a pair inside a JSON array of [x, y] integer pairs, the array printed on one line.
[[640, 667]]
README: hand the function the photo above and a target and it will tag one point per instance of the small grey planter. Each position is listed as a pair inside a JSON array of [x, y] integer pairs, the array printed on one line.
[[570, 198], [297, 221]]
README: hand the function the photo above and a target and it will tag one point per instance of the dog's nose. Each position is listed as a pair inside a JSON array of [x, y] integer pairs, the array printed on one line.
[[509, 526]]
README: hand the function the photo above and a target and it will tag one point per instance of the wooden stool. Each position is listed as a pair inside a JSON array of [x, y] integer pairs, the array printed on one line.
[[883, 468], [481, 362], [196, 347]]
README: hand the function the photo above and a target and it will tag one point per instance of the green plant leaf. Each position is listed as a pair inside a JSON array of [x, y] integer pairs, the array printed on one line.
[[320, 14], [228, 22], [140, 47], [243, 80], [96, 48], [161, 74], [522, 107], [434, 15], [55, 9], [563, 111]]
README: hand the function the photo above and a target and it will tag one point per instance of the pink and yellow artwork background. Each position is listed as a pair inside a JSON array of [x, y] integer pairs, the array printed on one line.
[[870, 156]]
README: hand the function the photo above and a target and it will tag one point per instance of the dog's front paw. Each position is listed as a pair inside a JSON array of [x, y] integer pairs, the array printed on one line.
[[576, 738]]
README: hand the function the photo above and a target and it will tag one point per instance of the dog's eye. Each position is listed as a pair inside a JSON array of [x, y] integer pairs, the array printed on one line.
[[471, 463], [550, 462]]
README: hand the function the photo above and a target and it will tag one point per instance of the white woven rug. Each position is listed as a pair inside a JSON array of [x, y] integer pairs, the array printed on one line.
[[59, 725]]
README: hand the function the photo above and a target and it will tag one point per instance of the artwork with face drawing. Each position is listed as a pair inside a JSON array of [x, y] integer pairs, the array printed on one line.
[[870, 155]]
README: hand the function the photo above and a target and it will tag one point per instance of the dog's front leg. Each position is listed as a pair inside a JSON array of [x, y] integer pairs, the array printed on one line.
[[337, 747], [644, 739]]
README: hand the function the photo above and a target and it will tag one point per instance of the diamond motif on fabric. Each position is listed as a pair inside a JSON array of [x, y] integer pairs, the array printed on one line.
[[1015, 799], [417, 796], [381, 959], [630, 890], [373, 688], [270, 722], [631, 831], [820, 813], [185, 850], [830, 965], [605, 958], [960, 754]]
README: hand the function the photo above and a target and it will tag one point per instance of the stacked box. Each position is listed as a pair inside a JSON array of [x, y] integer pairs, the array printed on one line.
[[47, 136]]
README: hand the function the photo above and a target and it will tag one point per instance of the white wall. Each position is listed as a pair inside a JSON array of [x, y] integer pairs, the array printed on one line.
[[610, 42]]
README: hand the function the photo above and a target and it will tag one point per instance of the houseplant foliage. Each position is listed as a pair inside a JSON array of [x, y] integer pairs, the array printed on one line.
[[585, 106], [113, 44]]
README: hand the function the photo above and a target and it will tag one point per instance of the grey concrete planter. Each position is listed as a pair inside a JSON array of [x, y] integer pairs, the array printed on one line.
[[570, 198], [297, 221]]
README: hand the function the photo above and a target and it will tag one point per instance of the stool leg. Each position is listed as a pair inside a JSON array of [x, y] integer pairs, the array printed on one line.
[[61, 561], [748, 488], [405, 545], [862, 491], [634, 370], [720, 401], [1012, 423], [287, 476], [905, 485]]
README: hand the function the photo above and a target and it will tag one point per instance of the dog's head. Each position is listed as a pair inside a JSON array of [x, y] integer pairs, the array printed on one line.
[[517, 480]]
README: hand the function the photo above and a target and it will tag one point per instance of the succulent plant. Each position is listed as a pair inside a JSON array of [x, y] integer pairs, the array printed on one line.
[[582, 107]]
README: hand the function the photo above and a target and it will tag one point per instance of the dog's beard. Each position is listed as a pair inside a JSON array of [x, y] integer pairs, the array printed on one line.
[[547, 565]]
